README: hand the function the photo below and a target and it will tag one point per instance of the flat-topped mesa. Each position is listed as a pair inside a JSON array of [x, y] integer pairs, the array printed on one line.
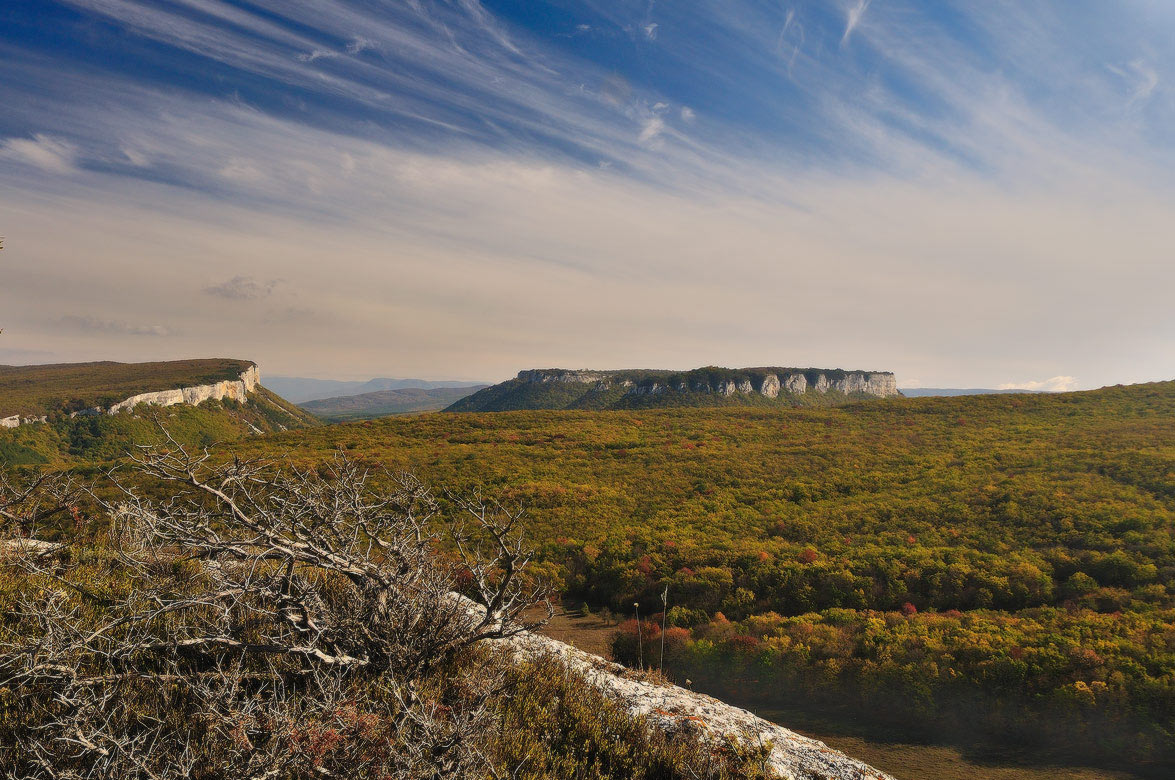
[[586, 389], [768, 382]]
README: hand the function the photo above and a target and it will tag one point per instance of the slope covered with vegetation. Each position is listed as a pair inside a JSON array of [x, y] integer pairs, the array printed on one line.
[[60, 388], [100, 438], [1012, 550]]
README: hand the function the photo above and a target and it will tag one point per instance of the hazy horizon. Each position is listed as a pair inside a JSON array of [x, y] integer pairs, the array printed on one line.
[[968, 195]]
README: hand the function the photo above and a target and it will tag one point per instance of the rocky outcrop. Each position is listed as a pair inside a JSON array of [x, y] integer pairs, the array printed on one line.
[[545, 375], [769, 387], [236, 390], [768, 382], [793, 756], [15, 421]]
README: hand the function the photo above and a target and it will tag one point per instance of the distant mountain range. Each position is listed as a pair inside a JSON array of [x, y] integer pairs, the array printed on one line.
[[381, 403], [710, 386], [302, 389], [921, 392]]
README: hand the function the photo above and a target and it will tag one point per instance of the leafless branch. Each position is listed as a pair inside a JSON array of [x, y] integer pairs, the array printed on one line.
[[265, 623]]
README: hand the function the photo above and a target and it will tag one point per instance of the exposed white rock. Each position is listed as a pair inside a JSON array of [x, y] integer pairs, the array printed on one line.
[[882, 385], [540, 375], [235, 389], [795, 383], [879, 384], [158, 398], [669, 707], [15, 421]]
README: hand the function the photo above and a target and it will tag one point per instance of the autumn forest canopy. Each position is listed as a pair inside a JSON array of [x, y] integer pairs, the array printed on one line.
[[920, 555], [999, 565]]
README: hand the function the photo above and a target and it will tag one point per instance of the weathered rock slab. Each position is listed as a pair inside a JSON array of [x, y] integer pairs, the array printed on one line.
[[670, 707]]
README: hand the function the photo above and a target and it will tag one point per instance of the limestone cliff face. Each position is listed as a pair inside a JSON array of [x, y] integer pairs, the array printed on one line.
[[234, 389], [768, 382], [546, 375]]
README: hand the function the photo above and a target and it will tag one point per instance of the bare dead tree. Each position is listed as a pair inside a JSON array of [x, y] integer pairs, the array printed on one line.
[[27, 505], [265, 623]]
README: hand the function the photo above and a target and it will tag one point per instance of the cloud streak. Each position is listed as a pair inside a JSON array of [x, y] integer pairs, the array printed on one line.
[[47, 153], [455, 191], [853, 18]]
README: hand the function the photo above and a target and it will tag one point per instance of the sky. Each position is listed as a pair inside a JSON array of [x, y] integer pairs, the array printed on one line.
[[967, 194]]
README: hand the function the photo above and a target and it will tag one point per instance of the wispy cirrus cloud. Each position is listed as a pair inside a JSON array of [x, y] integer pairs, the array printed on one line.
[[436, 158], [853, 18], [45, 152]]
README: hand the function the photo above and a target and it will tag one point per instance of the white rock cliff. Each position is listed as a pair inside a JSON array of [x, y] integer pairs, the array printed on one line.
[[766, 382], [234, 389]]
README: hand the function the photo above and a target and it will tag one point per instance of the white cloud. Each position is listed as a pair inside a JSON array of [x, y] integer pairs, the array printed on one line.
[[360, 44], [317, 54], [241, 171], [135, 157], [651, 128], [486, 264], [688, 114], [1056, 384], [853, 18], [50, 154], [651, 30], [1140, 77]]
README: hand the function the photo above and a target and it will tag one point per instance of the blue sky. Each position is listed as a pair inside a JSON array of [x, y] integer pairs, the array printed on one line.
[[964, 193]]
